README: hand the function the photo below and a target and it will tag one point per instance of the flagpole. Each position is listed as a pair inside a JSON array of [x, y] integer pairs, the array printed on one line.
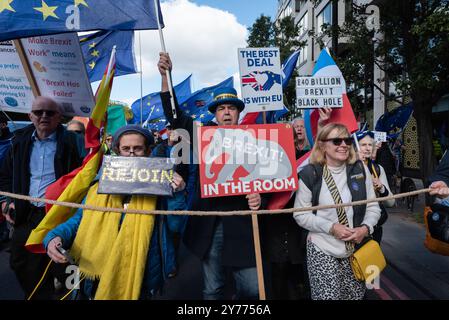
[[167, 72], [257, 249], [141, 81]]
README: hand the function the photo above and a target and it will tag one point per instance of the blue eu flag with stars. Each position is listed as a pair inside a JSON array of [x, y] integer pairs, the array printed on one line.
[[28, 18], [97, 49], [152, 104], [195, 106]]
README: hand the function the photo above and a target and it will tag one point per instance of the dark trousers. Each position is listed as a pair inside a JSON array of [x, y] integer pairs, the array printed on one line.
[[289, 281], [29, 267]]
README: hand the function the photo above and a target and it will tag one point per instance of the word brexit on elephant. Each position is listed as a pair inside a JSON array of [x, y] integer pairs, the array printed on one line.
[[237, 160]]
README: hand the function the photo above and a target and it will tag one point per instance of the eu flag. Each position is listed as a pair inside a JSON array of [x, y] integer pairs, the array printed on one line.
[[157, 124], [396, 119], [195, 105], [97, 49], [27, 18], [152, 104]]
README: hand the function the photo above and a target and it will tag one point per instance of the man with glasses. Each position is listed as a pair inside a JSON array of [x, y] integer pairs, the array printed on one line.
[[131, 255], [40, 154]]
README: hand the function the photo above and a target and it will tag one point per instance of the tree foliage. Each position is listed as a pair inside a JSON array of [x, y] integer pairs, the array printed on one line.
[[412, 51], [261, 34]]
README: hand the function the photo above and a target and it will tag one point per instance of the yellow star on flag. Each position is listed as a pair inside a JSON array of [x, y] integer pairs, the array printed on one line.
[[92, 65], [77, 2], [202, 116], [5, 5], [95, 53], [47, 11], [92, 45]]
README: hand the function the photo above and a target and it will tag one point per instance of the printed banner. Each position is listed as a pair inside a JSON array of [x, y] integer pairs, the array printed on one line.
[[136, 175], [15, 89], [260, 76], [58, 66], [249, 159], [319, 92]]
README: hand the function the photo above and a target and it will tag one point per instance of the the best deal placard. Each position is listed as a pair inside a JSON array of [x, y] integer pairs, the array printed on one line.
[[261, 80]]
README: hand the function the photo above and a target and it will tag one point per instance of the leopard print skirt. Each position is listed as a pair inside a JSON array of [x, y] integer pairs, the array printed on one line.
[[331, 278]]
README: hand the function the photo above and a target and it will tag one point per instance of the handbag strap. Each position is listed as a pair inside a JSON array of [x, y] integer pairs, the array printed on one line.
[[341, 212]]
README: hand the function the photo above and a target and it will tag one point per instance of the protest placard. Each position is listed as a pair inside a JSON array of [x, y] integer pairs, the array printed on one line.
[[246, 159], [136, 175], [57, 66], [380, 136], [260, 76], [16, 94], [319, 92]]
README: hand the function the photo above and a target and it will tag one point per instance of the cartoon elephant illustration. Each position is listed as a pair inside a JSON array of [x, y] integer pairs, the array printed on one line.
[[263, 159]]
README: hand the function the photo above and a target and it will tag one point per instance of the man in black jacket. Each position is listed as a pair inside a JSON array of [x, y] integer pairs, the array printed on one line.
[[40, 154], [218, 241]]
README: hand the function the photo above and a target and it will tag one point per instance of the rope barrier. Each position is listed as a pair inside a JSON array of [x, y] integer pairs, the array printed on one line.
[[213, 213]]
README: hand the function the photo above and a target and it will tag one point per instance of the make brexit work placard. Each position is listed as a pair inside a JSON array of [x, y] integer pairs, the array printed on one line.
[[238, 160], [57, 64], [319, 92], [136, 175], [260, 76]]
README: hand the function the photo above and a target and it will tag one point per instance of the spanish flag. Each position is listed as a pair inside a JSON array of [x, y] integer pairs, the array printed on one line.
[[73, 186]]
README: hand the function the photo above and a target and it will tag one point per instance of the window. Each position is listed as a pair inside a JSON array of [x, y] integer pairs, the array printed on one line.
[[303, 23], [303, 54], [324, 17]]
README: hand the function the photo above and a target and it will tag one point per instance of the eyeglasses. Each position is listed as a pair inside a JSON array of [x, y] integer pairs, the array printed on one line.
[[40, 113], [338, 141], [135, 150]]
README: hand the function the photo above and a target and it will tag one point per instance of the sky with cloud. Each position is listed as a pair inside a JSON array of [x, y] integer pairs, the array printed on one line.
[[202, 37]]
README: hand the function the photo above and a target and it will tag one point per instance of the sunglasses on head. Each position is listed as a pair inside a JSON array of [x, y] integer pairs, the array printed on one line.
[[338, 141], [40, 113]]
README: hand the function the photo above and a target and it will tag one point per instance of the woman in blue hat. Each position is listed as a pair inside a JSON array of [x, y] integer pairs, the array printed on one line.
[[379, 177]]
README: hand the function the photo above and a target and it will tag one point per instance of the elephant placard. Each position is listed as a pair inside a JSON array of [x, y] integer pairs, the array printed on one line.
[[238, 160]]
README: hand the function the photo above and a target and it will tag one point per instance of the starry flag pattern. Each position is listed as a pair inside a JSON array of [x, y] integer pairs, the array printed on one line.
[[396, 119], [152, 104], [97, 48], [195, 106], [27, 18]]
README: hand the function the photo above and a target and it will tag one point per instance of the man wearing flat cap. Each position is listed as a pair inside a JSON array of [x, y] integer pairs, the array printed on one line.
[[220, 242]]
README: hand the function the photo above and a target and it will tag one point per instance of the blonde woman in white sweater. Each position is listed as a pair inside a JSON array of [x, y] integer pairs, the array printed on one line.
[[334, 233]]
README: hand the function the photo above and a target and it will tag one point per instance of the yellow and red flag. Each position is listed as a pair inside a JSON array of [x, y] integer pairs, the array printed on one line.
[[73, 186]]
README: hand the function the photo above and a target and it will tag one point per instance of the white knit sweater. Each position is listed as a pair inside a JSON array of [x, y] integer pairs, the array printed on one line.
[[320, 223]]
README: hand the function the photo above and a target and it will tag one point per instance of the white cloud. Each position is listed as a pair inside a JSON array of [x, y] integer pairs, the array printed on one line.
[[201, 40]]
